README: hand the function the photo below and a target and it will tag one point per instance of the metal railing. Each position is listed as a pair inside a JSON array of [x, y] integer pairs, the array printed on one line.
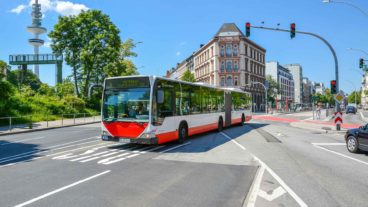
[[21, 123]]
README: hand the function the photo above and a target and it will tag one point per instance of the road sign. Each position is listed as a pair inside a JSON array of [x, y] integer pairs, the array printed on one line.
[[266, 84], [338, 117], [339, 97]]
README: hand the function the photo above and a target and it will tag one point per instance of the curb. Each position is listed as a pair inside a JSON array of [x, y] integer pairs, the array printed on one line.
[[342, 131], [43, 129]]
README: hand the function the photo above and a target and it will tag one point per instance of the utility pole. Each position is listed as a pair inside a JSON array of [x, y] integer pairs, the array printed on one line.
[[337, 105]]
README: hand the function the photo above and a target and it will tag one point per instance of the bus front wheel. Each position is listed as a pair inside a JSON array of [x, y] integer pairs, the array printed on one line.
[[183, 133], [220, 125]]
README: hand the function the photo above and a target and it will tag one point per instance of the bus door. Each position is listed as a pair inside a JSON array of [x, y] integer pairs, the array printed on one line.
[[228, 108]]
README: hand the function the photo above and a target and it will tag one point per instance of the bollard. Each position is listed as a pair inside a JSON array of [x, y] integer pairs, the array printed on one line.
[[74, 119], [47, 120], [84, 115], [62, 119]]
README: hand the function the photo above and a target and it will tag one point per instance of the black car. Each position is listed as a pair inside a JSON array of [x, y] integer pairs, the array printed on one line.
[[357, 139], [351, 109]]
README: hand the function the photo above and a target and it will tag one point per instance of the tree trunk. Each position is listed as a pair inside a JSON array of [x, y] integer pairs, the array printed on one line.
[[75, 81]]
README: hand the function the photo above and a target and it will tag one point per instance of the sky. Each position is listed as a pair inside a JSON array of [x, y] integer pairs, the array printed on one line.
[[171, 30]]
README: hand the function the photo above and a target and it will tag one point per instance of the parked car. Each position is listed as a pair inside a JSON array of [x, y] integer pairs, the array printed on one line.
[[351, 109], [357, 139]]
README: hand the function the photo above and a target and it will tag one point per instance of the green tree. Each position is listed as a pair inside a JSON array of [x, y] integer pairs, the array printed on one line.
[[273, 88], [64, 89], [188, 76], [30, 79], [3, 69], [90, 43], [351, 97]]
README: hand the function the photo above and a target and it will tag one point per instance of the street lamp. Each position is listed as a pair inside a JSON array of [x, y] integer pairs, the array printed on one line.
[[347, 3], [360, 50]]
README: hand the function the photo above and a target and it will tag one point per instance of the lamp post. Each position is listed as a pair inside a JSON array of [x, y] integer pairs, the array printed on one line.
[[359, 50], [347, 3]]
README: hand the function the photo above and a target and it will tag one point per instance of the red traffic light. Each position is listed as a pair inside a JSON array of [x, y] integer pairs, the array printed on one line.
[[292, 26], [247, 24], [333, 82]]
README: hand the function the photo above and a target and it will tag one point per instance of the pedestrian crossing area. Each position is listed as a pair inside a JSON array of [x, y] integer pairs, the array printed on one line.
[[107, 154]]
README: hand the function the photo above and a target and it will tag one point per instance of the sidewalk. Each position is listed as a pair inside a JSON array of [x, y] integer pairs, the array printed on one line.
[[37, 126], [317, 125]]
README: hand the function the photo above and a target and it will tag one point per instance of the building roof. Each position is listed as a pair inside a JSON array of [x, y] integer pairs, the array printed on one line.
[[229, 29]]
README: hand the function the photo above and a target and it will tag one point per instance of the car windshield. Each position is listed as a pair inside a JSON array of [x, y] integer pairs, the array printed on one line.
[[126, 105]]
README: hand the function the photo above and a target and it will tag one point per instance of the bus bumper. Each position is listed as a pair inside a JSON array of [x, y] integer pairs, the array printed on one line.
[[152, 140]]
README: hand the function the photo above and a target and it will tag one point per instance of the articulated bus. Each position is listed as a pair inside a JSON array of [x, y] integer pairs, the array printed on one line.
[[156, 110]]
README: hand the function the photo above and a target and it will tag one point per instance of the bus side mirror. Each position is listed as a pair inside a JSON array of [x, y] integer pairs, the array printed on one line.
[[160, 96]]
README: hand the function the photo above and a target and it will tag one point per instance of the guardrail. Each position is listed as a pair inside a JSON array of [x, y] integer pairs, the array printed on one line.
[[21, 123]]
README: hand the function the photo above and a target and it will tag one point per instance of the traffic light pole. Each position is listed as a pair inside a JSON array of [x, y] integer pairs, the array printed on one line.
[[337, 104]]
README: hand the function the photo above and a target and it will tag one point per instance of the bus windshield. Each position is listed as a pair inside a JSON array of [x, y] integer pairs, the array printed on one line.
[[126, 104]]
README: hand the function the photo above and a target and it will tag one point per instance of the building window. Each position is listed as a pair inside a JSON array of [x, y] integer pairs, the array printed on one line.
[[229, 81], [235, 81], [246, 64], [222, 66], [228, 50], [222, 83], [222, 51], [228, 66], [236, 66], [235, 52]]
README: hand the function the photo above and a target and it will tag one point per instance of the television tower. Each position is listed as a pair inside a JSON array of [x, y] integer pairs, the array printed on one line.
[[36, 29]]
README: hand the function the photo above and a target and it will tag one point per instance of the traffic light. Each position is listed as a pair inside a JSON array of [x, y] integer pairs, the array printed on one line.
[[333, 87], [247, 29], [292, 30], [361, 63]]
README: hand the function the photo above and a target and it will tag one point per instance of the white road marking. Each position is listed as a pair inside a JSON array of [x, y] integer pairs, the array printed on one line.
[[111, 158], [253, 192], [153, 149], [88, 156], [273, 174], [101, 145], [170, 149], [61, 189], [330, 144], [22, 140], [98, 157], [275, 194], [342, 155], [120, 159]]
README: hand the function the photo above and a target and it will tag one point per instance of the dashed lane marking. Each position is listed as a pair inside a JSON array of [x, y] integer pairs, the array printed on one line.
[[340, 154], [61, 189]]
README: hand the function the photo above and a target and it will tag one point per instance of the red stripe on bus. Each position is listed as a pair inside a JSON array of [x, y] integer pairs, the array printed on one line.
[[236, 121], [125, 129], [167, 137], [201, 129], [248, 118]]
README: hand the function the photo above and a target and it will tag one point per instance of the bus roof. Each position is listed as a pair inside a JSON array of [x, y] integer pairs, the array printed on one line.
[[179, 81]]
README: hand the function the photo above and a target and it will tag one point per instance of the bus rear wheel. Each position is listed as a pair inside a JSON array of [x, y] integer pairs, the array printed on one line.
[[183, 133], [242, 120], [220, 125]]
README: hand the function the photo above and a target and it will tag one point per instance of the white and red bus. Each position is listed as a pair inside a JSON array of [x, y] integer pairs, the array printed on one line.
[[156, 110]]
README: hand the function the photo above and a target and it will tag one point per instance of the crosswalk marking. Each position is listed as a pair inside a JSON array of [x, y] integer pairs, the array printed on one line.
[[107, 156]]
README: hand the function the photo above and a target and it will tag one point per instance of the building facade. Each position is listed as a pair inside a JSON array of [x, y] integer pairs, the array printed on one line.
[[320, 88], [230, 59], [307, 91], [297, 71], [284, 79]]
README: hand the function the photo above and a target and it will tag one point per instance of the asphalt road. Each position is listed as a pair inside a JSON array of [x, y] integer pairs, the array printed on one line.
[[260, 164]]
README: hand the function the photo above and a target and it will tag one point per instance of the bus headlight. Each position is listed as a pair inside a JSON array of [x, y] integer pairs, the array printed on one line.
[[148, 135]]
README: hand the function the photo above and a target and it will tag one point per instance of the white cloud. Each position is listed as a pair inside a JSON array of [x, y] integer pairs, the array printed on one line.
[[61, 7], [69, 8], [178, 53], [18, 9]]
